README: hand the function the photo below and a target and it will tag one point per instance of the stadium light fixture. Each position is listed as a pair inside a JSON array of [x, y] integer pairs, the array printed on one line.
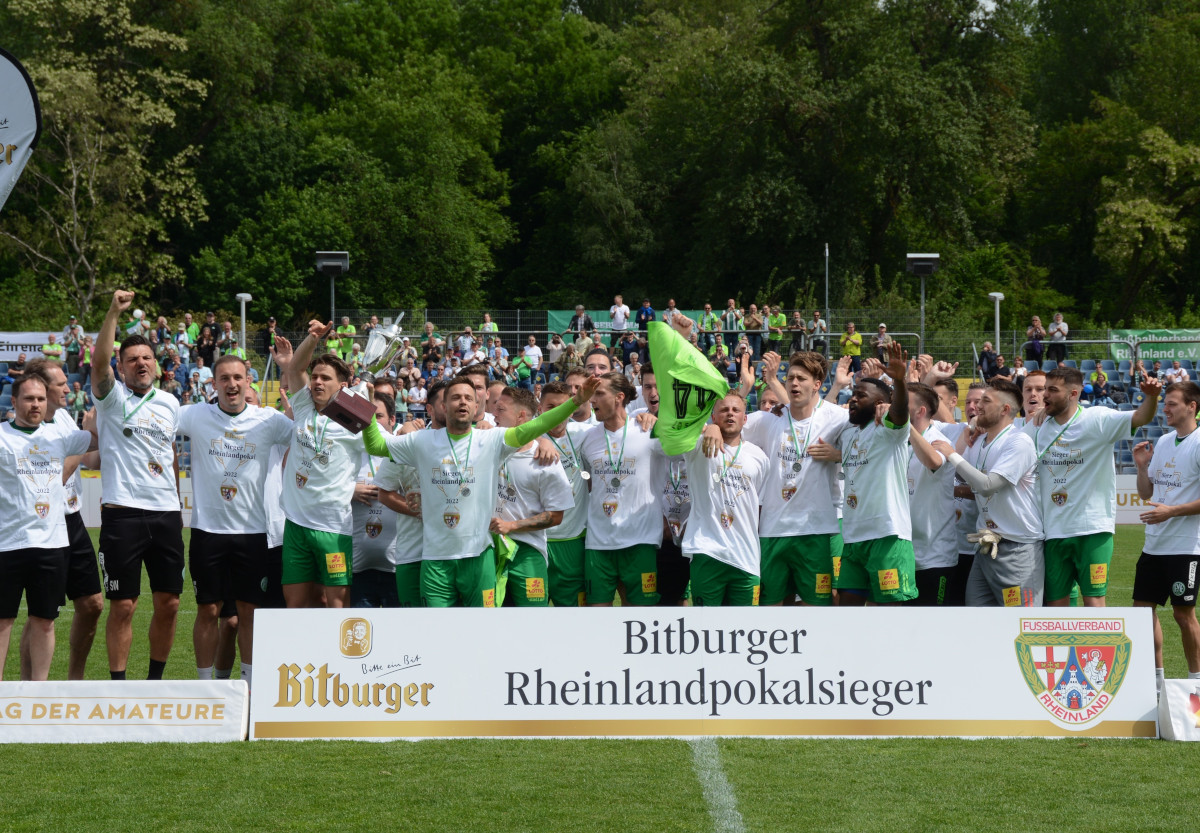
[[997, 297], [923, 264], [333, 264]]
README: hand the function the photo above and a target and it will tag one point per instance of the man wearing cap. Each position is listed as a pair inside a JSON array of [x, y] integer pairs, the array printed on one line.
[[72, 341], [580, 323], [880, 342]]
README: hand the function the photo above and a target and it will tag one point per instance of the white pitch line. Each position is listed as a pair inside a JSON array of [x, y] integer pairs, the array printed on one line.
[[718, 793]]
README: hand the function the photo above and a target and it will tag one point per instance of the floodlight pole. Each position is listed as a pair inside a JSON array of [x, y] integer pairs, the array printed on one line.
[[243, 297], [333, 264], [922, 265], [997, 297]]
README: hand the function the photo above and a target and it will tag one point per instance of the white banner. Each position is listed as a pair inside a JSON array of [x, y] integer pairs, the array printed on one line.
[[123, 711], [620, 672], [13, 344], [1179, 710], [20, 122]]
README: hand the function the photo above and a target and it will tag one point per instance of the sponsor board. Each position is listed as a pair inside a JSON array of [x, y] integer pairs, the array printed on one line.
[[620, 672], [138, 711], [12, 345]]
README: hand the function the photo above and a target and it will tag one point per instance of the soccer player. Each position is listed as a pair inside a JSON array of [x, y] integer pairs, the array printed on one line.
[[966, 510], [33, 535], [231, 442], [1077, 483], [140, 520], [722, 535], [877, 553], [83, 577], [400, 491], [459, 468], [530, 498], [375, 527], [318, 483], [1032, 391], [565, 541], [802, 497], [1168, 479], [999, 469], [574, 381], [931, 500], [624, 525]]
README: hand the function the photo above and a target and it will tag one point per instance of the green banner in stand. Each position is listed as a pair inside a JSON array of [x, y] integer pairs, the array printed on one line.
[[1156, 345]]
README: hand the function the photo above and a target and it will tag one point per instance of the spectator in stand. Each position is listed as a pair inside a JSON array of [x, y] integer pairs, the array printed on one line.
[[586, 343], [52, 350], [579, 325], [851, 344], [1176, 374], [670, 312], [755, 325], [627, 347], [72, 341], [193, 329], [731, 321], [776, 324], [881, 341], [710, 325], [633, 370], [1019, 369], [645, 315], [1035, 334], [370, 326], [225, 342], [206, 343], [488, 325], [415, 399], [499, 355], [798, 330], [554, 349], [618, 314], [267, 342], [1101, 393], [85, 359], [346, 333], [431, 341], [568, 361], [1057, 350], [1002, 369], [183, 343], [817, 330], [78, 402], [163, 330], [987, 361], [1158, 372]]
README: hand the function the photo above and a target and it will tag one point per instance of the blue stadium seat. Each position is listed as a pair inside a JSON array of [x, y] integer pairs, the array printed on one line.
[[1124, 457], [3, 368], [1069, 363], [1108, 366], [1048, 365], [1087, 366], [1125, 366]]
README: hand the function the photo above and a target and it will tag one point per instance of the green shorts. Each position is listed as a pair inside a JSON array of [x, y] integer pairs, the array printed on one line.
[[717, 584], [565, 576], [313, 555], [799, 564], [884, 568], [636, 567], [1083, 559], [460, 582], [527, 577], [408, 584]]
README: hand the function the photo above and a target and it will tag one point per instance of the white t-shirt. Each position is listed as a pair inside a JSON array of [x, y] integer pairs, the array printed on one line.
[[322, 461], [966, 510], [625, 515], [64, 425], [805, 502], [403, 481], [724, 518], [676, 498], [1014, 513], [931, 506], [875, 462], [526, 488], [574, 519], [1077, 481], [1175, 473], [1058, 330], [230, 460], [619, 315], [458, 487], [138, 471], [33, 498], [273, 496], [374, 526], [534, 354]]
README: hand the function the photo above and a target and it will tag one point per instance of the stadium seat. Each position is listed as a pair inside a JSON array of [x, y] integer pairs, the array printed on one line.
[[1108, 366], [1069, 363], [1048, 365], [1153, 431], [1087, 366], [1125, 366], [1186, 364], [1125, 457], [1126, 406], [5, 400], [3, 368]]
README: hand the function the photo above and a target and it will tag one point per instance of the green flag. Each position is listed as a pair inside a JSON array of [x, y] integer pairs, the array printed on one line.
[[688, 387]]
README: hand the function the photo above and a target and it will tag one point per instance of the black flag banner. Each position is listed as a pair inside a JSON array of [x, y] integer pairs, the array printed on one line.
[[20, 122]]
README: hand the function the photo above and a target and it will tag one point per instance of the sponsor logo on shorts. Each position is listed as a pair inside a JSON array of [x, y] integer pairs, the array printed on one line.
[[957, 515], [1178, 589], [757, 591], [1012, 596], [489, 598], [649, 582], [1192, 574], [889, 579], [355, 639], [837, 566], [582, 600], [1098, 573], [535, 589], [1074, 667], [450, 519], [263, 584], [824, 583], [335, 563]]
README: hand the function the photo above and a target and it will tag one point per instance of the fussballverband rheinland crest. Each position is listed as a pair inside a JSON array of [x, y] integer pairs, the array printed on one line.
[[1074, 667]]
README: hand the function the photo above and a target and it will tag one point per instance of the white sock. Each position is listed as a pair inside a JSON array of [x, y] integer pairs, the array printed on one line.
[[223, 673], [204, 673], [1159, 676], [247, 670], [1194, 675]]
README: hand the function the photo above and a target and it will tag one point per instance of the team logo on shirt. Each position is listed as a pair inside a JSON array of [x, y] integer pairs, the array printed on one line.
[[228, 491], [788, 491], [300, 480], [373, 530], [991, 524], [852, 501], [726, 520], [72, 503], [450, 519], [1059, 498], [155, 467], [1074, 667], [610, 508], [42, 509]]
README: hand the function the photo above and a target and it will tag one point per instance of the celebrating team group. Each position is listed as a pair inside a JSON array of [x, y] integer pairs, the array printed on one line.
[[571, 500]]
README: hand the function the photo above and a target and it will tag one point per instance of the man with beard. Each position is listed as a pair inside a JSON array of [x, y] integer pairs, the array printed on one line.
[[1077, 483], [459, 469], [999, 470], [802, 496], [966, 510], [228, 551], [877, 554], [140, 520], [723, 528], [931, 501]]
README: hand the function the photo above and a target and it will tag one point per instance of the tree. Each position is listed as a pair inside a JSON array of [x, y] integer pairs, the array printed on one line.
[[92, 211]]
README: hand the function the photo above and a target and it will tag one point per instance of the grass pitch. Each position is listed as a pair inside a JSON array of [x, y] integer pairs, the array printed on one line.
[[590, 785]]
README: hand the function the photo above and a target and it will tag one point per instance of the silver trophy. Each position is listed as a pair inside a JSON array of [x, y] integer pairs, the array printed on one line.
[[382, 346]]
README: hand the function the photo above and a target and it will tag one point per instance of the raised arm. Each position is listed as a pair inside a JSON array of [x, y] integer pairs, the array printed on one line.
[[1151, 388], [297, 369], [524, 433], [102, 372], [897, 364]]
